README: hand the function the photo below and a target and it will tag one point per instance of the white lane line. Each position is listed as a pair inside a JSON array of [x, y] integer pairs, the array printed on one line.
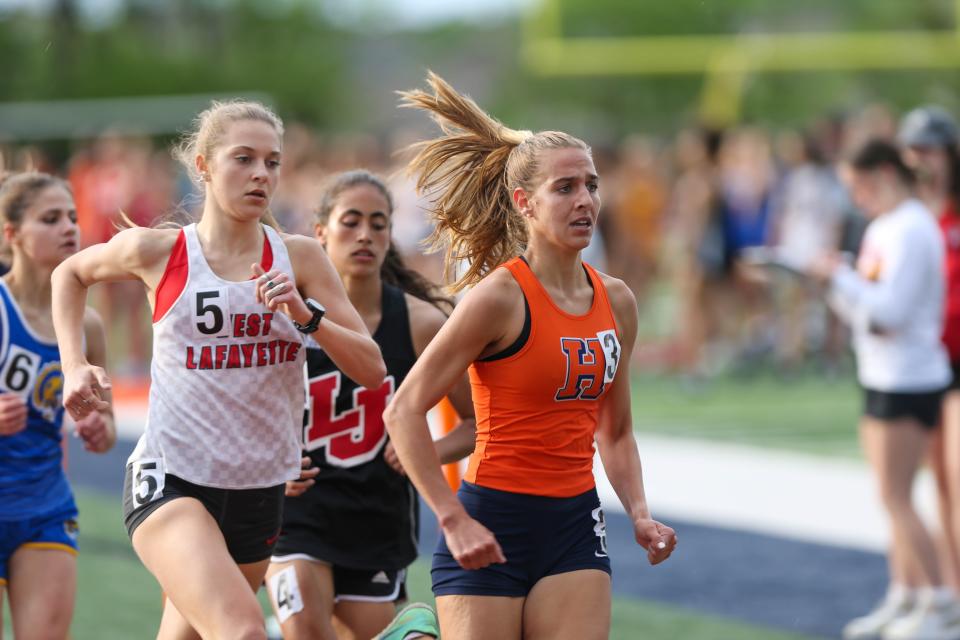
[[785, 494]]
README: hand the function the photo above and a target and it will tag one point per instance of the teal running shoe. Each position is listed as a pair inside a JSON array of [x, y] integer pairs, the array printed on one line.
[[415, 619]]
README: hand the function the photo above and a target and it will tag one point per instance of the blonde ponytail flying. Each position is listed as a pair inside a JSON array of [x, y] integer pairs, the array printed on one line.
[[471, 172]]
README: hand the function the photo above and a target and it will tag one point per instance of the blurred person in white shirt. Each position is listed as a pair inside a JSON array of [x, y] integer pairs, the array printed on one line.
[[893, 301]]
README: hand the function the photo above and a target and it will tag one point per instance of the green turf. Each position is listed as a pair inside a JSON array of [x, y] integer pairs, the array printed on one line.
[[753, 402], [118, 600], [807, 413]]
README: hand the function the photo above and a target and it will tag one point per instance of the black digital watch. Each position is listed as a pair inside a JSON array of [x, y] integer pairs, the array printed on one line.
[[317, 310]]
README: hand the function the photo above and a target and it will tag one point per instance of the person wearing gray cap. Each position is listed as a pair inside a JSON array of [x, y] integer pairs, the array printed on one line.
[[929, 136], [929, 126]]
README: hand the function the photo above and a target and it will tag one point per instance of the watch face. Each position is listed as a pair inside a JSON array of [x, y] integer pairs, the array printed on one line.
[[317, 310]]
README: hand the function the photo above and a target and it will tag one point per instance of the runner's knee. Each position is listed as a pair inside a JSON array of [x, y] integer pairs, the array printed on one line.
[[51, 625], [897, 499]]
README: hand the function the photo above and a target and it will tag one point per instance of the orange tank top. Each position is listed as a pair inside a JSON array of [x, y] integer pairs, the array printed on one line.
[[537, 407]]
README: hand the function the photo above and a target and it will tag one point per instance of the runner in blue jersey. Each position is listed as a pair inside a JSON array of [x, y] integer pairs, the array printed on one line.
[[38, 516]]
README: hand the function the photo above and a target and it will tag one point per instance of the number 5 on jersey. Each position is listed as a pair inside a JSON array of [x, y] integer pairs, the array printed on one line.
[[147, 476], [209, 319]]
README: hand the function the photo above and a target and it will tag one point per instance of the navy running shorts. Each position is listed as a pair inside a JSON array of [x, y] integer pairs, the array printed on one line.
[[540, 536]]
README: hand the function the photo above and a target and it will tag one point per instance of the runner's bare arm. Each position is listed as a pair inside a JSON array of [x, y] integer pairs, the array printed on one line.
[[615, 439], [341, 333], [476, 323], [425, 321], [460, 442], [133, 254], [98, 430]]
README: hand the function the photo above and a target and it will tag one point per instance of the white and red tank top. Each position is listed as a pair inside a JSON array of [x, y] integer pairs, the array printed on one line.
[[227, 390]]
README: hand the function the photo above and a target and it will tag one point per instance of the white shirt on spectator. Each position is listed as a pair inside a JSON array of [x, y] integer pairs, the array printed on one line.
[[893, 301]]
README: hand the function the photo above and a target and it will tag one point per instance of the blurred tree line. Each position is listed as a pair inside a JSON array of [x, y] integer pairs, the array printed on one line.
[[341, 76], [619, 18], [778, 99], [175, 47]]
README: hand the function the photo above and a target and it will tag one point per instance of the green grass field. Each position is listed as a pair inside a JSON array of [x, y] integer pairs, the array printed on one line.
[[754, 403], [118, 600], [811, 414]]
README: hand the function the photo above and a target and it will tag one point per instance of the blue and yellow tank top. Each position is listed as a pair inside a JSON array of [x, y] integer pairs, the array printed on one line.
[[32, 480]]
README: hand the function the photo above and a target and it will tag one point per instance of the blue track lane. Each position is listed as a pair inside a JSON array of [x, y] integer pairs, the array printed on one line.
[[807, 588]]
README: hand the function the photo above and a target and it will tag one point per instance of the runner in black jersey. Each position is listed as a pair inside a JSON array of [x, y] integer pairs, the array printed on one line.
[[350, 526]]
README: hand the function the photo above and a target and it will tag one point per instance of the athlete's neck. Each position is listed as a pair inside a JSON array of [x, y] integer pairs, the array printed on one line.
[[30, 285], [365, 295], [557, 269], [227, 235]]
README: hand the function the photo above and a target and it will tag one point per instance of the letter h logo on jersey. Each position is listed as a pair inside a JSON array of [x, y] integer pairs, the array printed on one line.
[[585, 365], [591, 364]]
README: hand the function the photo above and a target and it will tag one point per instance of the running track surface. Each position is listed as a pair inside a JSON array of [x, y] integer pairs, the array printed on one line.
[[765, 579]]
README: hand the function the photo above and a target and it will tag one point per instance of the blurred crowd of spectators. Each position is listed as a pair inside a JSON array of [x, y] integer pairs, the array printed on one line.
[[677, 214]]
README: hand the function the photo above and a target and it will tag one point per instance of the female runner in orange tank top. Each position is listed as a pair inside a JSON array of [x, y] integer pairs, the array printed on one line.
[[547, 341]]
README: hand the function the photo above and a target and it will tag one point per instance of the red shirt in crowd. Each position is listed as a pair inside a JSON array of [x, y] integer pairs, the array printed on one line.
[[950, 227]]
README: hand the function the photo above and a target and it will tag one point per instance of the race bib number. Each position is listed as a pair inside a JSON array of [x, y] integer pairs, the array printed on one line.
[[210, 316], [147, 480], [600, 530], [19, 371], [285, 593], [611, 354]]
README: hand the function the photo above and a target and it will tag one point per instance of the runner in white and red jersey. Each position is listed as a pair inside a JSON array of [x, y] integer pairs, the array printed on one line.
[[232, 301]]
